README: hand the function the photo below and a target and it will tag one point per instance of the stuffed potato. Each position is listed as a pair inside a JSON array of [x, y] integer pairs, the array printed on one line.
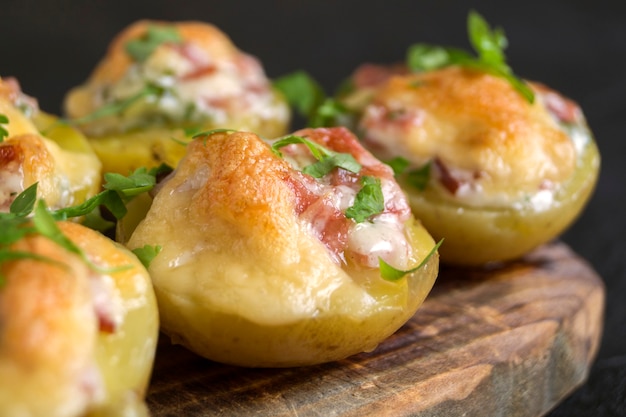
[[493, 164], [74, 340], [268, 261], [160, 80], [60, 159]]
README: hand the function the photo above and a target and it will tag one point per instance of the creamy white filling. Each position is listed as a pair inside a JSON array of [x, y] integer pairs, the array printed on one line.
[[224, 92], [382, 237]]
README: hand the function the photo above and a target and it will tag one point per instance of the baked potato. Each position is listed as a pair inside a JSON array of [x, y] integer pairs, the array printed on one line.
[[273, 258], [39, 149], [495, 165], [75, 339], [161, 80]]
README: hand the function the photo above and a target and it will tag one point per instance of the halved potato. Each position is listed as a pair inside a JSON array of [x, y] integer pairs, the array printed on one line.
[[486, 169], [75, 341], [160, 80], [41, 149], [260, 265]]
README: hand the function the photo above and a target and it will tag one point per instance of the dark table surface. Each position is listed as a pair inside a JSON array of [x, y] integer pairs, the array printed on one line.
[[575, 46]]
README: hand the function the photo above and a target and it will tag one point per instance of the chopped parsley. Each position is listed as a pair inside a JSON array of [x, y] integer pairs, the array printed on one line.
[[140, 49], [417, 178], [146, 254], [489, 45], [368, 202], [3, 131], [390, 273], [27, 215], [119, 106], [308, 98], [327, 160]]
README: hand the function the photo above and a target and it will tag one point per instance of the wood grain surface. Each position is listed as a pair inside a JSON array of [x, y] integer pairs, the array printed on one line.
[[510, 341]]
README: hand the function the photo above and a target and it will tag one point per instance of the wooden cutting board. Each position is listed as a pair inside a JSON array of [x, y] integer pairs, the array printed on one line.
[[510, 341]]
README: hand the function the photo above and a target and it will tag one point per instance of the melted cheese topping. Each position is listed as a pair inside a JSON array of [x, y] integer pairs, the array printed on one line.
[[491, 147], [65, 177], [206, 78], [27, 158], [237, 238], [73, 340], [329, 197]]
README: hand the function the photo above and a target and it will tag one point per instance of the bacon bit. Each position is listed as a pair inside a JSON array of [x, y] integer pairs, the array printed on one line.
[[546, 185], [11, 89], [328, 224], [446, 178], [8, 154], [378, 116], [342, 140], [247, 65], [452, 182], [564, 109], [103, 305], [373, 75], [199, 72], [315, 202]]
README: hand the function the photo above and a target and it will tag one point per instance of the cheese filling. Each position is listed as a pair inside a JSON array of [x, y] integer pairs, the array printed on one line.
[[328, 198], [193, 88], [517, 155]]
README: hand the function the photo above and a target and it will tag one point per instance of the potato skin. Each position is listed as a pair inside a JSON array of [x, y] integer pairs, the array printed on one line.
[[74, 342], [505, 175], [39, 149], [242, 281], [210, 84], [479, 235]]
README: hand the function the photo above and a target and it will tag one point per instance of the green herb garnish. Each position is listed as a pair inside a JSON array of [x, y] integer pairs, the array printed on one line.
[[140, 49], [308, 98], [28, 215], [327, 160], [368, 202], [3, 132], [208, 133], [147, 253], [118, 107], [140, 181], [390, 273], [418, 178], [489, 44], [398, 164]]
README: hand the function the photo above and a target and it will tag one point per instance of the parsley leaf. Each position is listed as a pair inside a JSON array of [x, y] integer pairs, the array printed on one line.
[[418, 178], [301, 91], [117, 107], [3, 132], [138, 182], [140, 49], [308, 98], [398, 164], [489, 44], [24, 202], [369, 200], [390, 273], [45, 224], [147, 253], [327, 160], [18, 222]]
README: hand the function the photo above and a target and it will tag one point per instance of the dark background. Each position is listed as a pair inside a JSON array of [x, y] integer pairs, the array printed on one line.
[[577, 47]]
